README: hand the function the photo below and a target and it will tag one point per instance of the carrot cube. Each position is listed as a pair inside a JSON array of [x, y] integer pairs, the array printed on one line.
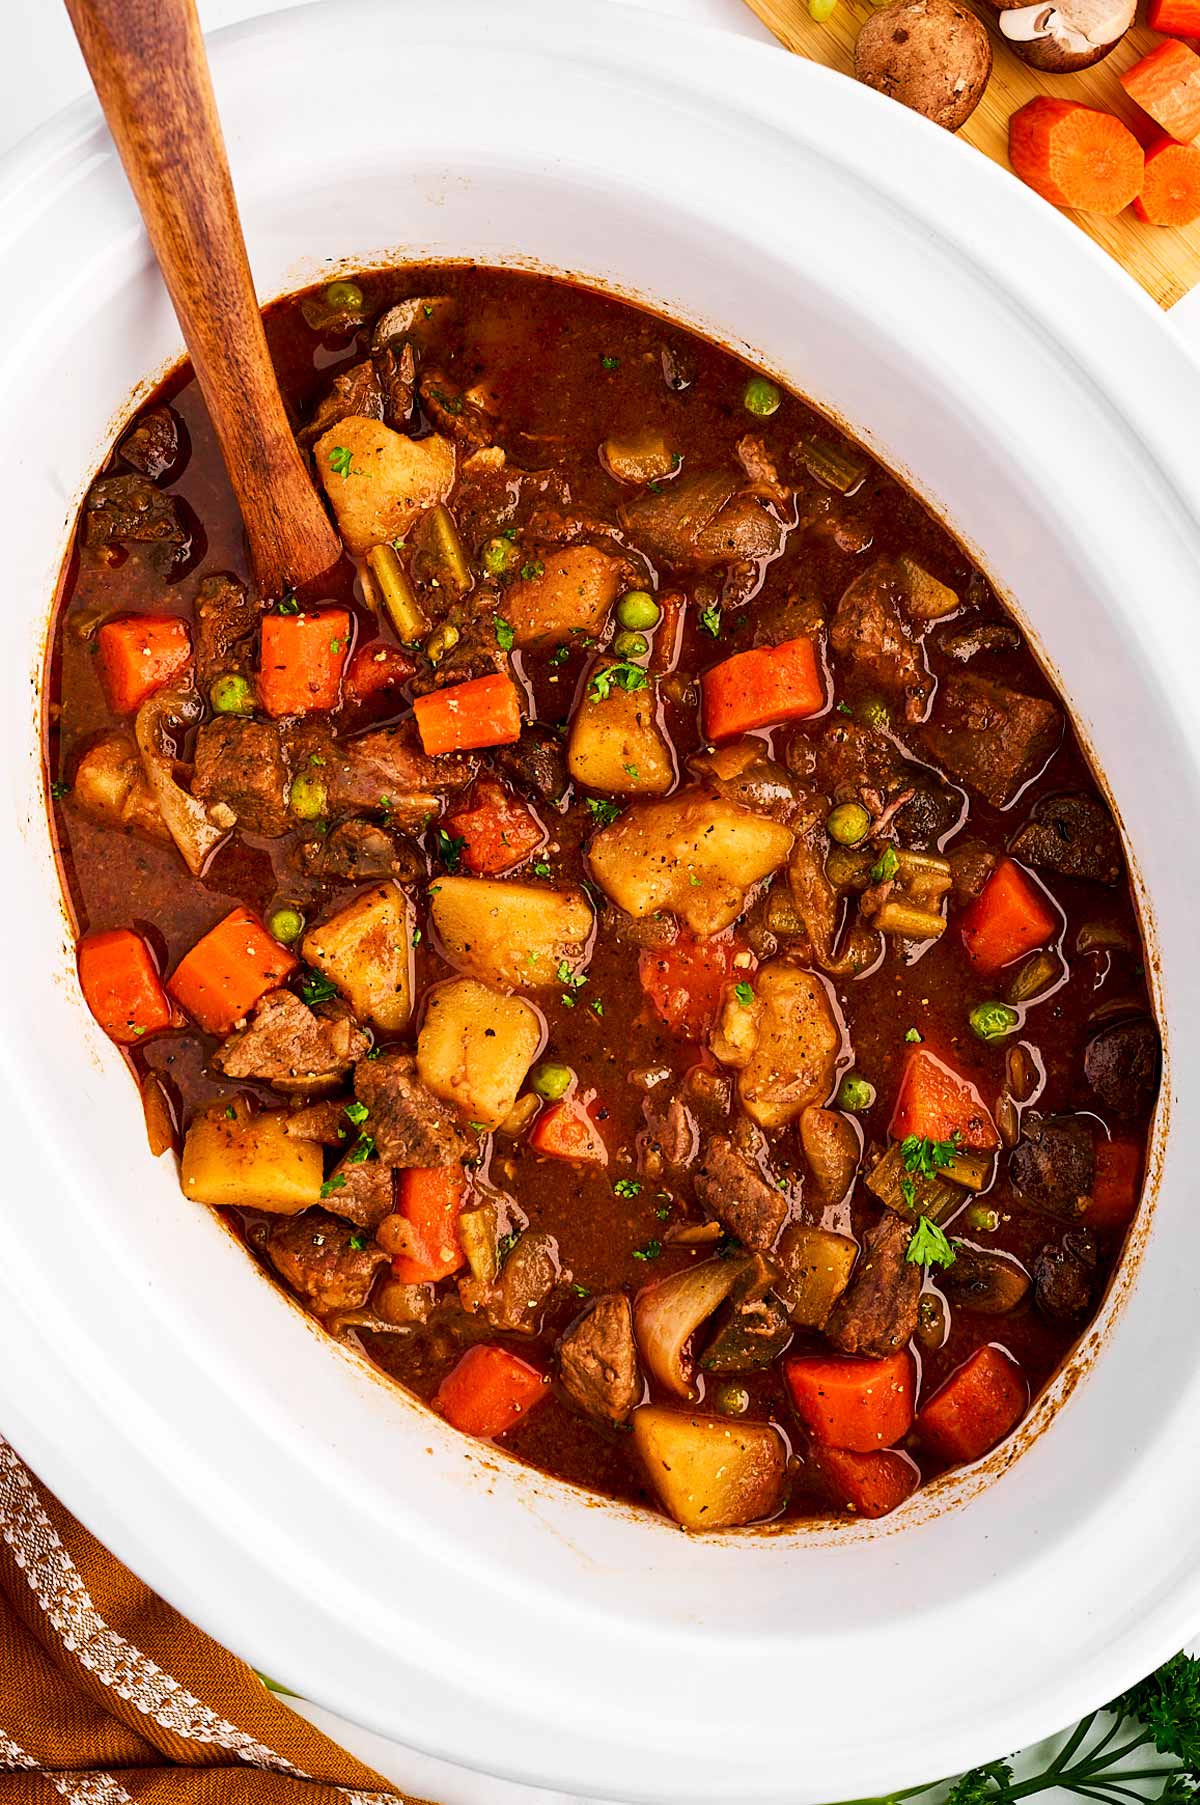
[[464, 716], [976, 1407], [121, 985], [936, 1103], [141, 653], [846, 1402], [1166, 84], [300, 660], [430, 1198], [226, 972], [489, 1391], [762, 688], [1010, 917], [867, 1485]]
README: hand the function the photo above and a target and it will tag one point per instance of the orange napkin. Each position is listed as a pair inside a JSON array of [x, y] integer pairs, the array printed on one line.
[[108, 1696]]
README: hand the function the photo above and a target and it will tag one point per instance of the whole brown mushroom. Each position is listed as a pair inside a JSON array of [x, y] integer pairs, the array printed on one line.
[[934, 56], [1060, 38]]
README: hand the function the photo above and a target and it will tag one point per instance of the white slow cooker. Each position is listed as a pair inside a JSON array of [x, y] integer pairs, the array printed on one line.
[[271, 1485]]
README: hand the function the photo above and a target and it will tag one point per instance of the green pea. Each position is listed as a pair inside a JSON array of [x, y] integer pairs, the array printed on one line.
[[760, 396], [638, 611], [855, 1093], [345, 297], [309, 798], [231, 695], [499, 555], [982, 1218], [552, 1080], [992, 1021], [874, 712], [731, 1399], [630, 645], [286, 924], [848, 823]]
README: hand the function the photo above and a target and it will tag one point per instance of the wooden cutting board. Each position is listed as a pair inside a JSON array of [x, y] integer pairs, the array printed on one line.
[[1164, 259]]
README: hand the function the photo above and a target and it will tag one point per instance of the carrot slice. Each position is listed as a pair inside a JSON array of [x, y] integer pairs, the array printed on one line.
[[566, 1131], [1010, 917], [1166, 84], [1116, 1185], [845, 1402], [976, 1407], [685, 982], [490, 1390], [484, 712], [1171, 191], [497, 829], [121, 985], [227, 971], [377, 669], [1074, 156], [762, 687], [430, 1198], [936, 1103], [867, 1485], [1174, 18], [139, 654], [300, 660]]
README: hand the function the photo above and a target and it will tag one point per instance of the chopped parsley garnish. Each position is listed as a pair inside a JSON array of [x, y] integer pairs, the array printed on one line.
[[336, 1183], [416, 936], [925, 1157], [451, 403], [605, 813], [533, 569], [651, 1251], [505, 634], [597, 1005], [316, 988], [450, 849], [356, 1113], [560, 655], [480, 1127], [505, 1245], [844, 708], [912, 1035], [362, 1150], [624, 675], [744, 993], [581, 1290], [508, 532], [628, 1187], [928, 1246], [541, 869], [610, 363], [230, 1113], [59, 789], [710, 621], [340, 460], [885, 867], [287, 604], [358, 1243]]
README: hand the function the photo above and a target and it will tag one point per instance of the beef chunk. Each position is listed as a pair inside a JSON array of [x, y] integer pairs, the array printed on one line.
[[923, 822], [363, 1191], [396, 369], [324, 1260], [455, 414], [154, 446], [733, 1190], [1053, 1164], [991, 1283], [130, 510], [971, 865], [361, 850], [286, 1045], [356, 390], [869, 633], [409, 1125], [239, 768], [985, 636], [1074, 836], [226, 613], [535, 765], [514, 1301], [323, 1121], [384, 770], [991, 738], [877, 1313], [597, 1360], [702, 519], [1121, 1065], [1064, 1278], [677, 1117]]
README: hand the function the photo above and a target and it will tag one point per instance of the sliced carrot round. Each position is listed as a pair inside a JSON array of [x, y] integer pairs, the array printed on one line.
[[1075, 156]]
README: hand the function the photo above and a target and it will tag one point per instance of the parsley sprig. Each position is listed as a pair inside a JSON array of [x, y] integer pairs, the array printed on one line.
[[625, 675], [928, 1246]]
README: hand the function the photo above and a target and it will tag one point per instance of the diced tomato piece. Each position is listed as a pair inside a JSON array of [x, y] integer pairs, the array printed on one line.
[[377, 669], [141, 653], [850, 1403], [936, 1103], [761, 688], [567, 1131], [121, 985], [430, 1198], [1010, 917], [1116, 1185], [498, 830], [465, 716], [976, 1407], [867, 1485], [301, 659], [227, 971], [489, 1391], [685, 981]]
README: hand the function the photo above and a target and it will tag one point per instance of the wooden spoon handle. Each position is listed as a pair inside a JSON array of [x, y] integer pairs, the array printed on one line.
[[150, 71]]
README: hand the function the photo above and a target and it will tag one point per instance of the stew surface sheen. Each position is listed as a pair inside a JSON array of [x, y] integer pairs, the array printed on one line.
[[676, 996]]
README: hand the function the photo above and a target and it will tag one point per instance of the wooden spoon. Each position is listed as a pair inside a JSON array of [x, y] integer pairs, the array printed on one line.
[[150, 71]]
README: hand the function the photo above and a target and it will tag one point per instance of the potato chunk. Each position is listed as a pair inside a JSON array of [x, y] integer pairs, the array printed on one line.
[[816, 1270], [251, 1162], [695, 854], [709, 1472], [366, 949], [110, 786], [475, 1047], [509, 934], [378, 480], [785, 1043], [572, 594], [618, 744]]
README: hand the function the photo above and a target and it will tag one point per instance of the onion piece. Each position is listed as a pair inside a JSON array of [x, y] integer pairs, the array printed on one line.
[[189, 826], [667, 1315], [161, 1131]]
